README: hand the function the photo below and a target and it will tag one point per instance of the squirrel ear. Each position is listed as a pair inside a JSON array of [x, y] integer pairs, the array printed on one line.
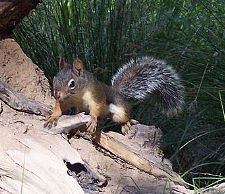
[[78, 66], [61, 63]]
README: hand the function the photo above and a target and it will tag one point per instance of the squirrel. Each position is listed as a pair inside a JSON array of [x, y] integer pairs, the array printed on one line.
[[75, 87]]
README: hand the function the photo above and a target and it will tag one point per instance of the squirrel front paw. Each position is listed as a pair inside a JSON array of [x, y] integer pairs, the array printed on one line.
[[52, 120], [92, 124]]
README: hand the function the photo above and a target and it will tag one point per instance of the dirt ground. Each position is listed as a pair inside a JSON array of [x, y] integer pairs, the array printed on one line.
[[18, 70]]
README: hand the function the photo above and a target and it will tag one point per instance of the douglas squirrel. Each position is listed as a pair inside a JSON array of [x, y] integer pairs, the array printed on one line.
[[75, 87]]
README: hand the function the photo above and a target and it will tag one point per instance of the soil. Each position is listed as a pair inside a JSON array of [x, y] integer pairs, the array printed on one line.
[[25, 77], [18, 71]]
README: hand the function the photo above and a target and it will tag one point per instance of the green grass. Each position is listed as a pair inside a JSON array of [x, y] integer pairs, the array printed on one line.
[[189, 35]]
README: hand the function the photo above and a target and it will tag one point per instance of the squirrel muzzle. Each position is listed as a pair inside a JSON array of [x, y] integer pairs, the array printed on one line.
[[60, 95]]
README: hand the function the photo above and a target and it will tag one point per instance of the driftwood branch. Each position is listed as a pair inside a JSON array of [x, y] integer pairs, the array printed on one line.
[[21, 103], [113, 143], [66, 124]]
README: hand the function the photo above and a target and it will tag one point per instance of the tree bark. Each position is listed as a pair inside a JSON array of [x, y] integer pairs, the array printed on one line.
[[11, 12]]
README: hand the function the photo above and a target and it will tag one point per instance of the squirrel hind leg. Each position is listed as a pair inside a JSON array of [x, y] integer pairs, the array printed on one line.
[[125, 128], [120, 115]]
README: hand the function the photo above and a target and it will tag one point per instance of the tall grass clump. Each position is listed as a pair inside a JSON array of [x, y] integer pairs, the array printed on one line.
[[189, 35], [104, 33]]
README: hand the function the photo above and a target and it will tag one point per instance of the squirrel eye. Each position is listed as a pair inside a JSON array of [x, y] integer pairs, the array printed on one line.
[[71, 84]]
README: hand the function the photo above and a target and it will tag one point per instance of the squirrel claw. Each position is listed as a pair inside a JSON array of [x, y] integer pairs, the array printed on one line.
[[51, 121], [125, 128], [92, 125]]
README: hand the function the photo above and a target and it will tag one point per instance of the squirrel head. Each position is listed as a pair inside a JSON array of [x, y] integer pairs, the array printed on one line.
[[69, 80]]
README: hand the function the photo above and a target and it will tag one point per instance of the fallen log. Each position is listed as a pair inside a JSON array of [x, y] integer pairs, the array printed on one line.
[[129, 152], [21, 103]]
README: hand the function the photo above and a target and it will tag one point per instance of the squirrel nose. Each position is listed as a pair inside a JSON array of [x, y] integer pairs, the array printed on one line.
[[59, 95]]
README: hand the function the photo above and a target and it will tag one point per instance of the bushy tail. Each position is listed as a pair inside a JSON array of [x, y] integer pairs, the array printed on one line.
[[146, 75]]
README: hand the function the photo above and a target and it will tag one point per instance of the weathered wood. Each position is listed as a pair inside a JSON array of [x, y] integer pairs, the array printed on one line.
[[11, 12], [127, 154], [67, 123], [32, 161], [21, 103], [36, 165], [1, 108], [118, 148]]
